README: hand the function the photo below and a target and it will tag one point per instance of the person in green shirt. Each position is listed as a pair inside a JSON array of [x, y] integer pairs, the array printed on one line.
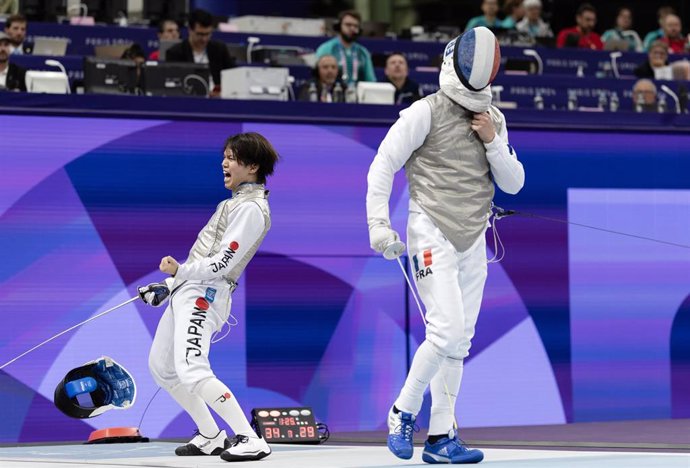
[[623, 31], [514, 12], [354, 60], [488, 19]]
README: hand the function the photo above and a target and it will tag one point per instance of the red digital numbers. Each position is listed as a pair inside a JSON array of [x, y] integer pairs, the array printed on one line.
[[272, 433], [287, 422], [307, 432]]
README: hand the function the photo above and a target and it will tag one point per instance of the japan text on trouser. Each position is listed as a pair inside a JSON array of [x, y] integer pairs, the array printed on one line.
[[179, 353]]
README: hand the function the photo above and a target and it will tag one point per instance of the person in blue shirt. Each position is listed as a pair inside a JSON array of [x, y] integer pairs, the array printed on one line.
[[407, 91], [489, 19], [514, 11], [354, 60]]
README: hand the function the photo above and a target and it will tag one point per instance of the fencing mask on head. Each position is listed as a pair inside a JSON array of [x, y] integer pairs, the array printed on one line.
[[94, 388], [470, 63]]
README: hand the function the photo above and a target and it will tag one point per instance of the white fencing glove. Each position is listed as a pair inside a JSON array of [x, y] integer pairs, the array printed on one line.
[[385, 240], [156, 294]]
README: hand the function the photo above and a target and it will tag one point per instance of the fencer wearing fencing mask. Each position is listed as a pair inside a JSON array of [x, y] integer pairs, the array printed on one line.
[[454, 146], [470, 64]]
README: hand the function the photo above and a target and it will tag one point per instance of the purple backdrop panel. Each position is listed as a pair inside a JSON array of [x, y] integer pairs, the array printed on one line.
[[624, 295]]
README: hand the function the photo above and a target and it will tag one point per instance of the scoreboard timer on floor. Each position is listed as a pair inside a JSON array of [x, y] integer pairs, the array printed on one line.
[[286, 425]]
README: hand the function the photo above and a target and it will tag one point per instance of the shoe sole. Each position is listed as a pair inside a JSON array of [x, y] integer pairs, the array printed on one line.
[[434, 459], [234, 458]]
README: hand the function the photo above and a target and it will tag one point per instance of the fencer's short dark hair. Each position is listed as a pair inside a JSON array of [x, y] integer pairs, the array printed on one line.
[[253, 148], [201, 17]]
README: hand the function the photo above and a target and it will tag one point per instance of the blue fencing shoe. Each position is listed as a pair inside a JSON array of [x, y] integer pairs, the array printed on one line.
[[400, 430], [450, 450]]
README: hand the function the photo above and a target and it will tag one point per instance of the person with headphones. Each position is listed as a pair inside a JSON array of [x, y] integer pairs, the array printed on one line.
[[324, 83], [354, 60]]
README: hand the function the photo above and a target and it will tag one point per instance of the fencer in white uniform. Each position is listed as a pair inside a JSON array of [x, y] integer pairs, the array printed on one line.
[[454, 147], [200, 291]]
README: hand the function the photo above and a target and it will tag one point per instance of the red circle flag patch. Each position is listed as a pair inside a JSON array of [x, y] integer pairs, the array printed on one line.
[[202, 303], [234, 245]]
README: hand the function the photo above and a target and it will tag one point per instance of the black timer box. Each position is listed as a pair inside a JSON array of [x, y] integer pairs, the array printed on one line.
[[286, 425]]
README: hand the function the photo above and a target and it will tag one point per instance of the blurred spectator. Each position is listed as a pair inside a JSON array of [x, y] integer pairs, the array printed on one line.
[[532, 22], [135, 53], [623, 31], [514, 11], [15, 28], [11, 75], [9, 6], [488, 19], [644, 96], [673, 35], [168, 30], [582, 35], [406, 90], [658, 33], [353, 58], [199, 48], [325, 77], [656, 66]]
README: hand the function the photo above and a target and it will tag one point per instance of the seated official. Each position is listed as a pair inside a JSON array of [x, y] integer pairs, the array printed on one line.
[[396, 71], [623, 31], [489, 19], [354, 60], [199, 48], [322, 87], [644, 96], [532, 23], [657, 66], [12, 77], [582, 35], [15, 29], [168, 30]]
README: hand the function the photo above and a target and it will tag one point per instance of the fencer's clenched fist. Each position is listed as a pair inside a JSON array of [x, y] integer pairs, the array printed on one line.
[[484, 126], [154, 294], [380, 237], [169, 265]]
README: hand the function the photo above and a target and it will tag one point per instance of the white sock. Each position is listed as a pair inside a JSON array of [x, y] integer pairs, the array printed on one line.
[[442, 404], [218, 396], [425, 365], [197, 410]]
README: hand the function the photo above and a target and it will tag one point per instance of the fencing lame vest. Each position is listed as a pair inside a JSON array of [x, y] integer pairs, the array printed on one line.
[[449, 176], [208, 242]]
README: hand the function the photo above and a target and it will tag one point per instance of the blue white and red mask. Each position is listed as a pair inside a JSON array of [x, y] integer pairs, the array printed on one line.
[[470, 64]]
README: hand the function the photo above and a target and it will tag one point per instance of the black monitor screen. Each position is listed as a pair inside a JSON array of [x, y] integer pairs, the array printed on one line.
[[157, 10], [175, 79], [109, 76]]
